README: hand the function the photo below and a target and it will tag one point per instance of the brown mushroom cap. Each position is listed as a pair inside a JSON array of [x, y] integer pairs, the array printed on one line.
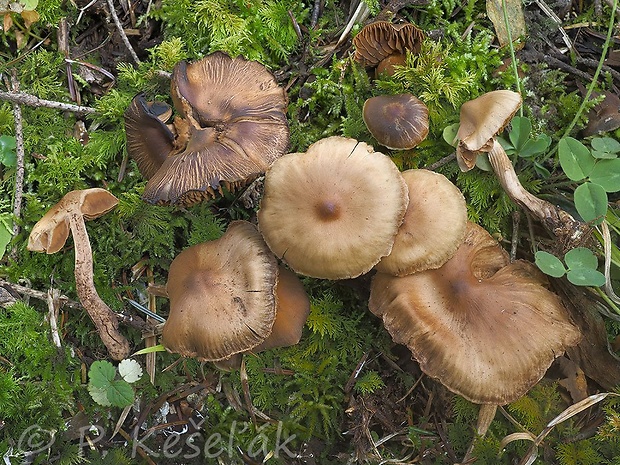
[[235, 119], [481, 119], [149, 140], [398, 122], [434, 225], [486, 329], [377, 41], [333, 211], [222, 299], [51, 232]]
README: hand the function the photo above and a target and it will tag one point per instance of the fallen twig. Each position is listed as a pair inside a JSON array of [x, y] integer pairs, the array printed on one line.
[[53, 304], [121, 31], [34, 101], [19, 149]]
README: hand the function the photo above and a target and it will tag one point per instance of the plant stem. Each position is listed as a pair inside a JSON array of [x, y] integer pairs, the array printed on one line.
[[513, 56]]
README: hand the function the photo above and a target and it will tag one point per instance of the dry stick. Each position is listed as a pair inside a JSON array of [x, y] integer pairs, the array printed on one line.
[[53, 304], [40, 295], [121, 31], [34, 101], [19, 148]]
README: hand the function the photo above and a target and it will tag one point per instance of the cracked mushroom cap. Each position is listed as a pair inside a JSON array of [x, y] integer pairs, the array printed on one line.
[[486, 329], [222, 295], [235, 116], [149, 139], [52, 230], [384, 44], [333, 211], [481, 119], [434, 226], [399, 122]]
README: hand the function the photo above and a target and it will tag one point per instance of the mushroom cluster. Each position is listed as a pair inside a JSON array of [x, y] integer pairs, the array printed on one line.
[[230, 126]]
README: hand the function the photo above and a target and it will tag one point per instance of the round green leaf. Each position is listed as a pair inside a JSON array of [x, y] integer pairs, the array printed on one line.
[[580, 257], [535, 146], [549, 264], [99, 395], [586, 277], [575, 158], [606, 173], [120, 393], [604, 155], [591, 202], [606, 145], [101, 374], [520, 132], [449, 134], [8, 156]]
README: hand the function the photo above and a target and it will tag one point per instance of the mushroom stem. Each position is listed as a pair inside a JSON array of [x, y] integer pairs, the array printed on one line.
[[571, 231], [103, 317]]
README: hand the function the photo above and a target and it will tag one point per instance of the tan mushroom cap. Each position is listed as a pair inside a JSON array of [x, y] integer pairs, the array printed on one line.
[[333, 211], [399, 122], [235, 119], [222, 295], [149, 140], [434, 225], [51, 232], [486, 329], [379, 40], [481, 119]]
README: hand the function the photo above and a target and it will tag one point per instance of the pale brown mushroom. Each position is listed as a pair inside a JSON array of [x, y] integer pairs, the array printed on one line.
[[485, 328], [434, 225], [398, 122], [50, 234], [481, 120], [222, 295], [333, 211], [385, 45], [234, 121]]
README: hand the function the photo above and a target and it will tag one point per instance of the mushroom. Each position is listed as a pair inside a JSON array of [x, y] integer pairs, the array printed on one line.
[[434, 226], [50, 234], [333, 211], [399, 122], [233, 124], [384, 45], [481, 120], [222, 295], [485, 328]]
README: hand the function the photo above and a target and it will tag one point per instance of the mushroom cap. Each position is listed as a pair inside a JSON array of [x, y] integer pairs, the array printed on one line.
[[52, 230], [222, 295], [434, 226], [236, 117], [149, 140], [399, 122], [376, 41], [486, 329], [333, 211], [481, 119]]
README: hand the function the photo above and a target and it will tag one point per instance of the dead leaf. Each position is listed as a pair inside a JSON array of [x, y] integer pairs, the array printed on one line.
[[30, 17], [7, 22], [516, 20], [575, 381]]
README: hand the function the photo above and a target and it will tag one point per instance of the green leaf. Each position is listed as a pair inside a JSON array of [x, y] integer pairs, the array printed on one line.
[[575, 158], [591, 202], [586, 277], [6, 231], [130, 370], [8, 157], [148, 350], [449, 134], [606, 173], [541, 170], [30, 5], [101, 374], [549, 264], [606, 145], [535, 146], [520, 132], [99, 395], [580, 257], [483, 163], [120, 393]]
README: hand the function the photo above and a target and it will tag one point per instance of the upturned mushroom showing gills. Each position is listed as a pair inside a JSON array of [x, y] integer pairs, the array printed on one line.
[[398, 122], [222, 296], [485, 328], [50, 234], [385, 45], [333, 211], [231, 126], [434, 226]]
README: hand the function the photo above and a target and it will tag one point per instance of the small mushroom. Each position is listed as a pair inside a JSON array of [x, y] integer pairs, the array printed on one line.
[[485, 328], [481, 120], [434, 225], [233, 117], [333, 211], [384, 45], [222, 296], [398, 122], [50, 234]]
